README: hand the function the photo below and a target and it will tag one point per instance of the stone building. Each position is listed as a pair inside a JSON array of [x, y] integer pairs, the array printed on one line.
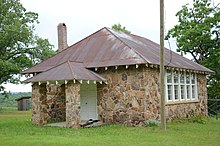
[[113, 77]]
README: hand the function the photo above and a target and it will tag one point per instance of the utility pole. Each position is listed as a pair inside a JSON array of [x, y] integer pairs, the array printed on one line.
[[162, 94]]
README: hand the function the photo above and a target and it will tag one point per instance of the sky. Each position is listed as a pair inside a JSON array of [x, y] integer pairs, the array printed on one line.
[[84, 17]]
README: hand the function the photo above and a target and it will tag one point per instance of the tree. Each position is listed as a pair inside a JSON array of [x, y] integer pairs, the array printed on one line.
[[198, 33], [120, 28], [20, 48], [43, 50]]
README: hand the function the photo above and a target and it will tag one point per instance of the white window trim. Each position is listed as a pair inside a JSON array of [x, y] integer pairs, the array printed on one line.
[[173, 100]]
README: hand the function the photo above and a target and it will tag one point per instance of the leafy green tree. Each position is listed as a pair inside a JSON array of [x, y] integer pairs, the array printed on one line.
[[44, 50], [198, 33], [20, 48], [120, 28]]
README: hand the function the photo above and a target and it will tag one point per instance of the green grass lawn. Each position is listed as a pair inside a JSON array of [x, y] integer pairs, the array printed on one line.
[[16, 129]]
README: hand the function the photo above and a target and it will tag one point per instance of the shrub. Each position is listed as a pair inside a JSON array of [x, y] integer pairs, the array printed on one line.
[[192, 119], [195, 118], [152, 123], [198, 119]]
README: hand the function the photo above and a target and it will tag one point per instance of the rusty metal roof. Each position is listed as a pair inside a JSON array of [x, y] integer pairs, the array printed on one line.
[[150, 51], [108, 47], [66, 71]]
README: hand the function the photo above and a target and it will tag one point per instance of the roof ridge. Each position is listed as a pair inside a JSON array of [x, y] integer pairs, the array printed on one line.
[[95, 74], [71, 69], [138, 53], [55, 66]]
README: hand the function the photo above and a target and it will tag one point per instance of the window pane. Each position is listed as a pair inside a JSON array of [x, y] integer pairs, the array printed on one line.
[[182, 92], [181, 86], [187, 78], [193, 92], [175, 75], [193, 78], [169, 90], [182, 78], [176, 92], [169, 77], [188, 91]]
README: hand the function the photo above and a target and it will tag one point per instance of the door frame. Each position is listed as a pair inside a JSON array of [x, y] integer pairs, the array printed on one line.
[[85, 89]]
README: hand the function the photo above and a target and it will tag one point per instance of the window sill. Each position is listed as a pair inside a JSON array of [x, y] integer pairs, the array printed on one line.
[[181, 102]]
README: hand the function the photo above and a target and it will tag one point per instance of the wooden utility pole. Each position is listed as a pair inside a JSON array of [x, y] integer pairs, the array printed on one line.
[[162, 94]]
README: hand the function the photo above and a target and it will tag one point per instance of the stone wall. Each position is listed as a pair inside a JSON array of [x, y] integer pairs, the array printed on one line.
[[48, 103], [130, 97], [202, 94], [56, 102], [39, 104], [187, 109], [72, 104]]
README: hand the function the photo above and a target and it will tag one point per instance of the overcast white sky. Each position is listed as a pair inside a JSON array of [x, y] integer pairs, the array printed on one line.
[[84, 17]]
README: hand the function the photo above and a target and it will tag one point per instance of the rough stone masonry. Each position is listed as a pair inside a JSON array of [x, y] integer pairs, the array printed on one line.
[[130, 97]]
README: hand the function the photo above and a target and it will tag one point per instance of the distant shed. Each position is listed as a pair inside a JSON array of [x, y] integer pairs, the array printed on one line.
[[23, 103]]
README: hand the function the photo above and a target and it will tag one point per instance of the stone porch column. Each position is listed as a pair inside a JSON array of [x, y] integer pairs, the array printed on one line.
[[39, 104], [72, 105]]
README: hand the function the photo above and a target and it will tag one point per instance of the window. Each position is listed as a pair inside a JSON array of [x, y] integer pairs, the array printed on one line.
[[169, 86], [180, 86], [193, 83], [176, 85]]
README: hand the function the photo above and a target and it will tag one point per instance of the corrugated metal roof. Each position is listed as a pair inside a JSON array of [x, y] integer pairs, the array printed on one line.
[[150, 51], [108, 47], [66, 71]]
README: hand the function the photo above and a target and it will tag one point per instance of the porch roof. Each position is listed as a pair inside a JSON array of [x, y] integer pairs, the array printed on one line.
[[66, 71]]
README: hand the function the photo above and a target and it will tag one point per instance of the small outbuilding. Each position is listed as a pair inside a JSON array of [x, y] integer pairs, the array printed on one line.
[[23, 103]]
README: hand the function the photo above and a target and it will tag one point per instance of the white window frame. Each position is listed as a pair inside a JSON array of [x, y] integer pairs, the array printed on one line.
[[166, 87], [179, 84], [184, 87]]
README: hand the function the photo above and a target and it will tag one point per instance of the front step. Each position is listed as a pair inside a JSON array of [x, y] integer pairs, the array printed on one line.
[[91, 123], [59, 124]]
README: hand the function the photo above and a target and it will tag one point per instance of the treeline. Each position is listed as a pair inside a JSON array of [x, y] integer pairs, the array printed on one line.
[[10, 101]]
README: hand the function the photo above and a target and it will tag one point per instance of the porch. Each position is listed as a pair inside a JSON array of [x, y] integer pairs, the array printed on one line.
[[75, 103]]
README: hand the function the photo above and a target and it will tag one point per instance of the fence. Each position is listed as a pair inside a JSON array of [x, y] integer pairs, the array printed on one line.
[[214, 107]]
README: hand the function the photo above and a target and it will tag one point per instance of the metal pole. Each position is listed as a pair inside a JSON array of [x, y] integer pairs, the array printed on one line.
[[162, 95]]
